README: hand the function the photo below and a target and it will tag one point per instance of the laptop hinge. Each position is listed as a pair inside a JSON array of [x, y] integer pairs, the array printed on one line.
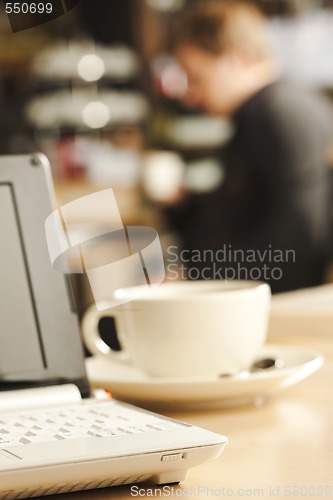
[[39, 397]]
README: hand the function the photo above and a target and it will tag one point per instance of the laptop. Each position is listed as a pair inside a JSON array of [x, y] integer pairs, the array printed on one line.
[[56, 435]]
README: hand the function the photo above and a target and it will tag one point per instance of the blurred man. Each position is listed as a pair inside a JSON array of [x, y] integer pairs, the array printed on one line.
[[270, 219]]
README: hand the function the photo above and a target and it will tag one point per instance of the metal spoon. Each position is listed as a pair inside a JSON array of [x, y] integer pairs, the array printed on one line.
[[266, 364], [258, 366]]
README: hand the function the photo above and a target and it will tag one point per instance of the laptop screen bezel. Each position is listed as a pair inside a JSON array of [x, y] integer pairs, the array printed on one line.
[[30, 181]]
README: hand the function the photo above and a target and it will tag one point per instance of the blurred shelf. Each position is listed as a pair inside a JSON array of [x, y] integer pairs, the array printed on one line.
[[129, 201]]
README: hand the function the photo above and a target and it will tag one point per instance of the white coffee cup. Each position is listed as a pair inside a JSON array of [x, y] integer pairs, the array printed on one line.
[[186, 329]]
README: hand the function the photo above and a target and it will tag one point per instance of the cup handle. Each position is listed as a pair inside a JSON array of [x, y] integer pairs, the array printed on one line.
[[92, 339]]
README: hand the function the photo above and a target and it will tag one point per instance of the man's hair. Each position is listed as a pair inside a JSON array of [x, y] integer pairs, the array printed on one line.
[[217, 26]]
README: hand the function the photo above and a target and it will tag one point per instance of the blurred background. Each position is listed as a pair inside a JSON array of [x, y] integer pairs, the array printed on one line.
[[95, 90]]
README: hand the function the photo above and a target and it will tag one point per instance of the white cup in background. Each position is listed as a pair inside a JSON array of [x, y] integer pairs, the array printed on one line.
[[163, 175]]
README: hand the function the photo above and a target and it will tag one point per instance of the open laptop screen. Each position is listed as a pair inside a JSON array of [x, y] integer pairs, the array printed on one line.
[[40, 342], [21, 343]]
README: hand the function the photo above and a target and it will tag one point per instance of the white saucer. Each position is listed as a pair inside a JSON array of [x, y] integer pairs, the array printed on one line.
[[127, 383]]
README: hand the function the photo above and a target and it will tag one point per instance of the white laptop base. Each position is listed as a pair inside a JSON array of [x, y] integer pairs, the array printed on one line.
[[53, 437], [92, 444]]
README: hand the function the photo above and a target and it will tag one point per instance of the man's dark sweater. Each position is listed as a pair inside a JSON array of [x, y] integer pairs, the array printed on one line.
[[274, 204]]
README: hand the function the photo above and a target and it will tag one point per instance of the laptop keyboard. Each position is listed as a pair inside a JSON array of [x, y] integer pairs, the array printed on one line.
[[89, 419]]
